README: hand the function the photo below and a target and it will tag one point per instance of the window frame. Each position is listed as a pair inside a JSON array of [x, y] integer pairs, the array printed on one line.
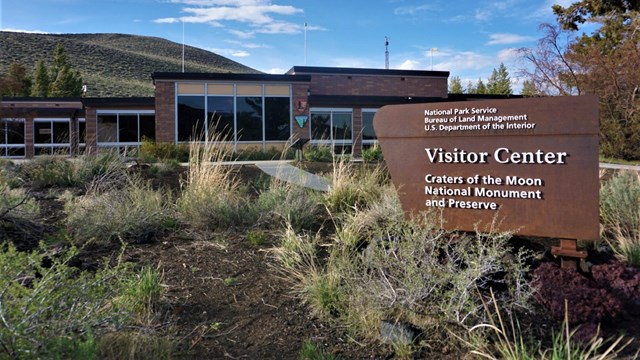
[[332, 111]]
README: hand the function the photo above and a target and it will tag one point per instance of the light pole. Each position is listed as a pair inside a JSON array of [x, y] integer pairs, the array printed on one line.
[[432, 50]]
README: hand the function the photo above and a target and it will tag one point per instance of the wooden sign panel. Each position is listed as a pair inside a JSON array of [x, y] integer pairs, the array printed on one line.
[[527, 165]]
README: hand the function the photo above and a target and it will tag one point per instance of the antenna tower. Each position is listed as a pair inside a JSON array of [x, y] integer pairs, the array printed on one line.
[[386, 53]]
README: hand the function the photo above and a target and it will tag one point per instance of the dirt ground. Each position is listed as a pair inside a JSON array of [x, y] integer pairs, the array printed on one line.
[[227, 299]]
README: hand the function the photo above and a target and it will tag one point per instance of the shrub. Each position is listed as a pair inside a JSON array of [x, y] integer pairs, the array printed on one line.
[[259, 154], [372, 153], [151, 151], [620, 215], [48, 171], [134, 213], [381, 266], [318, 153], [53, 312], [256, 237], [18, 212]]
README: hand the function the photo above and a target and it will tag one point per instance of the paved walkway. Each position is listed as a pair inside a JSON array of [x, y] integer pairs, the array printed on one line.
[[284, 171]]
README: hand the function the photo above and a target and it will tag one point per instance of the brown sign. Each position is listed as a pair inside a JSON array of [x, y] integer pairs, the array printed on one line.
[[524, 165]]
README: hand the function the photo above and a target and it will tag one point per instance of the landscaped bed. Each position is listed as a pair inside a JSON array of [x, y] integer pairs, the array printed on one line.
[[160, 261]]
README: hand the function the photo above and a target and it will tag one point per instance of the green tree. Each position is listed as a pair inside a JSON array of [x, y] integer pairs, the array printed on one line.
[[499, 82], [471, 89], [66, 82], [481, 88], [17, 81], [41, 80], [529, 89], [455, 85], [606, 64]]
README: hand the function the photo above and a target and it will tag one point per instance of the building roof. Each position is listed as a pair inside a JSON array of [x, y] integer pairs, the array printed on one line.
[[309, 70], [228, 76]]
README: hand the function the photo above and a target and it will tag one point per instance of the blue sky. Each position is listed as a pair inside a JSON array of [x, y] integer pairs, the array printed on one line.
[[472, 37]]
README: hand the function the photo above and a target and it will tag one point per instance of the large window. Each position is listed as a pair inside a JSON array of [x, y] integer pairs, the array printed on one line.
[[191, 118], [221, 114], [12, 137], [240, 112], [277, 118], [124, 130], [368, 133], [249, 118], [333, 126], [51, 136]]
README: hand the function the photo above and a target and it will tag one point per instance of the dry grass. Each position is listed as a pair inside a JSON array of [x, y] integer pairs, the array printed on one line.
[[210, 196]]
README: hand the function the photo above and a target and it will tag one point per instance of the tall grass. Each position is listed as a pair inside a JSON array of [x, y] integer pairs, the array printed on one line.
[[620, 215], [353, 187], [210, 196]]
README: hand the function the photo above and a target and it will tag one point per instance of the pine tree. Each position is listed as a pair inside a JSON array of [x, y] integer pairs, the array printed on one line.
[[529, 89], [481, 88], [66, 82], [455, 86], [471, 89], [16, 82], [41, 81], [499, 82]]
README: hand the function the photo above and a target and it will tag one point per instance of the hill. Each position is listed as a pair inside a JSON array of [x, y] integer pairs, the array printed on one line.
[[113, 64]]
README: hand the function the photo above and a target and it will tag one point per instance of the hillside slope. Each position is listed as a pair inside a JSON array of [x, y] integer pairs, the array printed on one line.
[[113, 64]]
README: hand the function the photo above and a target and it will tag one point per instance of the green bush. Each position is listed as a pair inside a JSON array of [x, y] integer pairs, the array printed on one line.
[[53, 312], [18, 211], [620, 214], [258, 154], [134, 213], [372, 154], [152, 151], [318, 153], [48, 171]]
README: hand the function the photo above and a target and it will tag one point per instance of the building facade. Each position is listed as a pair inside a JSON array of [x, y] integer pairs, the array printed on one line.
[[328, 106]]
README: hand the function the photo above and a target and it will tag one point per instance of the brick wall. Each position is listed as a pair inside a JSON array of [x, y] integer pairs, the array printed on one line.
[[165, 111], [367, 85], [300, 108], [91, 121]]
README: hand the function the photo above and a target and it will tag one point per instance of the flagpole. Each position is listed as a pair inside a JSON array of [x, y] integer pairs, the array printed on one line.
[[305, 43], [182, 45]]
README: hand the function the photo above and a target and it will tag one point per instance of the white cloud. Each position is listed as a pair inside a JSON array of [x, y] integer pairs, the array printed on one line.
[[410, 65], [508, 54], [27, 31], [259, 14], [504, 38], [230, 52], [277, 71], [247, 45], [466, 60], [482, 15], [411, 10]]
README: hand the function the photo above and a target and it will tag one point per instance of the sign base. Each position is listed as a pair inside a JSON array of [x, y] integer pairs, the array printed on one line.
[[569, 254]]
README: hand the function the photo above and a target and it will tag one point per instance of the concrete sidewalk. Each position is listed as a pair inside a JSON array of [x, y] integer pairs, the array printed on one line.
[[284, 171]]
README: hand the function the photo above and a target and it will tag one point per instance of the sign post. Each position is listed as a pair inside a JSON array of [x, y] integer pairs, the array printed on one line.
[[528, 166]]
